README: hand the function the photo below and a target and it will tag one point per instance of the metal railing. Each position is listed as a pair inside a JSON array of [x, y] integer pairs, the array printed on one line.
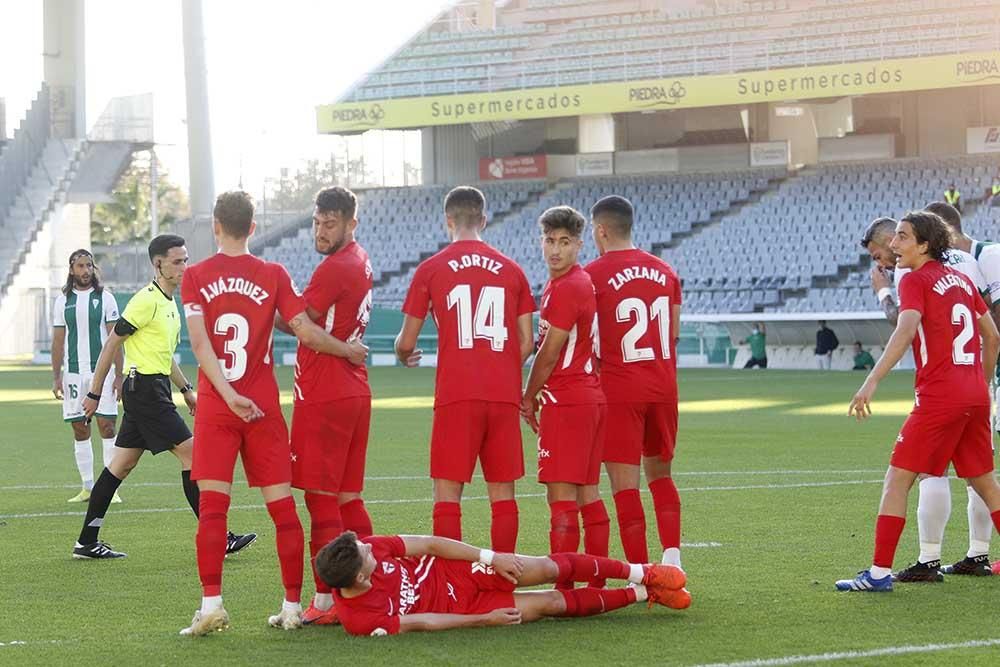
[[22, 153]]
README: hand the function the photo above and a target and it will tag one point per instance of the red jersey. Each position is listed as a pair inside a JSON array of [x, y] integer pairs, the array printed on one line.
[[238, 296], [568, 303], [340, 290], [475, 294], [401, 585], [635, 295], [946, 348]]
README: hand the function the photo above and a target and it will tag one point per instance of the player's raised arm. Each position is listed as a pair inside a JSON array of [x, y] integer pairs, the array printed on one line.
[[406, 342], [310, 335], [432, 622]]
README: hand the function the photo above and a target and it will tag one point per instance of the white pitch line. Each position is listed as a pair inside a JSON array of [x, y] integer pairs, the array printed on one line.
[[854, 655], [31, 643], [399, 501], [417, 478]]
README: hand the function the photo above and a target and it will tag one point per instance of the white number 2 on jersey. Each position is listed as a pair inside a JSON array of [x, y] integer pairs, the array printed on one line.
[[235, 365], [960, 314], [659, 310], [489, 315]]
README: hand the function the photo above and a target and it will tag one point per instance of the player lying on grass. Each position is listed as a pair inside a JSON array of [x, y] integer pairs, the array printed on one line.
[[407, 583]]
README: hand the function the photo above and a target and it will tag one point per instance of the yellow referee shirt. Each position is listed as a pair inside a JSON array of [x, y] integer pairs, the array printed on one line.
[[158, 331]]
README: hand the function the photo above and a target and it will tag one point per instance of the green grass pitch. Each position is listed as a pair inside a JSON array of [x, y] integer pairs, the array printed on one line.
[[779, 488]]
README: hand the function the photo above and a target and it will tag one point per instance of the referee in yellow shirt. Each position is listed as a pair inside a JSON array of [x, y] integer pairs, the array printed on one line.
[[150, 329]]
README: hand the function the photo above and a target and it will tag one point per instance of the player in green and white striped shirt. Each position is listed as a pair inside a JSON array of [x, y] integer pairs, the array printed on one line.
[[82, 316]]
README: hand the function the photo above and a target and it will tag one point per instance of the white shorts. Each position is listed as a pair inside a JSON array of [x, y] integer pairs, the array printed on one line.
[[75, 388]]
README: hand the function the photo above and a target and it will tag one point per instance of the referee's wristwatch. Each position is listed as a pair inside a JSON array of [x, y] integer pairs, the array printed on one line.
[[186, 388]]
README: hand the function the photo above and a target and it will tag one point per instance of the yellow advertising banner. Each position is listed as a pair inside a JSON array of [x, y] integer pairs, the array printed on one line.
[[861, 78]]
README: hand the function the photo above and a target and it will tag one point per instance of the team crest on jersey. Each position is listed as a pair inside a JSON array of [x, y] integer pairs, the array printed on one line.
[[96, 303], [388, 568]]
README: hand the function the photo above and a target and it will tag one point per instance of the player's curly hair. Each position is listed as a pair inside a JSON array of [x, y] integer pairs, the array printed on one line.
[[337, 199], [929, 228], [562, 217], [339, 562]]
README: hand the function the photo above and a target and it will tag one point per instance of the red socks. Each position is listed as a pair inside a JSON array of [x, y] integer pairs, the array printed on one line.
[[356, 518], [325, 526], [632, 525], [564, 530], [591, 601], [887, 531], [596, 533], [289, 538], [667, 504], [210, 540], [448, 520], [503, 530], [582, 567]]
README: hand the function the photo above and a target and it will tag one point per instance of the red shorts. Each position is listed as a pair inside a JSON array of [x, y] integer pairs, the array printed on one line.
[[571, 443], [468, 430], [474, 588], [933, 437], [635, 430], [261, 444], [329, 444]]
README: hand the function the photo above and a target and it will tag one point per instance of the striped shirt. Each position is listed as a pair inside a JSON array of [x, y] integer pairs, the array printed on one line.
[[85, 314]]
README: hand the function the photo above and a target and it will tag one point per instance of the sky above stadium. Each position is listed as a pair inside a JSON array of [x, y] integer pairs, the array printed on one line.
[[269, 64]]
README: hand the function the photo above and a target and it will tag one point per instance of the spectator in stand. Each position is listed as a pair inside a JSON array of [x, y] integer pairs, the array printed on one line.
[[953, 197], [993, 191], [863, 360], [826, 343], [758, 348]]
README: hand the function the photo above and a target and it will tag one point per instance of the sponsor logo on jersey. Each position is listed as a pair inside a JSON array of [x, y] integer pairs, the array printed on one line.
[[388, 568]]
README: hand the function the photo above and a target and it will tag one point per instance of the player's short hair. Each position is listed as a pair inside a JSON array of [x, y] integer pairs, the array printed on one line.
[[161, 245], [562, 217], [878, 227], [946, 212], [929, 228], [339, 562], [465, 205], [337, 200], [234, 211], [617, 212]]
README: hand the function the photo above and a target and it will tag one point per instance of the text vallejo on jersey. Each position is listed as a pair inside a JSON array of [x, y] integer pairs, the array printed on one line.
[[242, 286], [618, 280], [477, 261]]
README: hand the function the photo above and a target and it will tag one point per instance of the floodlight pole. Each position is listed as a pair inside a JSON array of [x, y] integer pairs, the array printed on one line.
[[154, 221]]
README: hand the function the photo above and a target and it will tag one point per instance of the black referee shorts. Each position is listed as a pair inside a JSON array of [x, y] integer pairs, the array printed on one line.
[[151, 420]]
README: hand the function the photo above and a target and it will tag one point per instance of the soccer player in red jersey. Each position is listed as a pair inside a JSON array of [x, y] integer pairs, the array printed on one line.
[[230, 301], [482, 306], [638, 315], [564, 380], [387, 585], [333, 402], [942, 314]]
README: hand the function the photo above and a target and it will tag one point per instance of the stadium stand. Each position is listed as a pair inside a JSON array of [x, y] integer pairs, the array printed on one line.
[[555, 43]]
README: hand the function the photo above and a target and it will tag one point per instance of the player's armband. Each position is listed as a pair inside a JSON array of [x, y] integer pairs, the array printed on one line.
[[124, 328]]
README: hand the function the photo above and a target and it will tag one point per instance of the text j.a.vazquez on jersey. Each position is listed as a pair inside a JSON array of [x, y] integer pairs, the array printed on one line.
[[242, 286]]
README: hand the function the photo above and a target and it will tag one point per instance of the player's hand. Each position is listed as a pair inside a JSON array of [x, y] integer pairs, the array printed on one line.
[[89, 407], [358, 352], [116, 387], [191, 398], [57, 389], [508, 616], [880, 279], [529, 412], [413, 360], [508, 566], [244, 408], [860, 407]]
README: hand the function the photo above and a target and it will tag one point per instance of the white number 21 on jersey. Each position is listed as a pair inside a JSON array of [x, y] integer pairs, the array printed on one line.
[[489, 315], [659, 310]]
